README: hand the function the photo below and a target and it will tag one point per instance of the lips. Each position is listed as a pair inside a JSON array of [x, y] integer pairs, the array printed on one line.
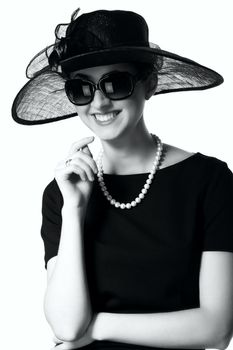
[[105, 118]]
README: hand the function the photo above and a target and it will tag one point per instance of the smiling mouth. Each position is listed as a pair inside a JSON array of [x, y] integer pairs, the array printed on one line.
[[106, 117]]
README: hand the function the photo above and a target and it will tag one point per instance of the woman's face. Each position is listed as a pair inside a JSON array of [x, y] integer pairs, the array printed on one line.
[[127, 113]]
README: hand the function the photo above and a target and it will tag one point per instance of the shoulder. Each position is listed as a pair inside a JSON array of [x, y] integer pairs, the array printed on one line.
[[173, 155], [52, 194], [206, 163]]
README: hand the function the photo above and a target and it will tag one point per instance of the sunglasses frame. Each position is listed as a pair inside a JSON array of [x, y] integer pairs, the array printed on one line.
[[134, 78]]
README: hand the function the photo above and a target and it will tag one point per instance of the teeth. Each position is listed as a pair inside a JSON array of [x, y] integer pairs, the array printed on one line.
[[105, 117]]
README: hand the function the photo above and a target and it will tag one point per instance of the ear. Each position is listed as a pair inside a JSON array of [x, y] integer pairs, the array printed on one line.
[[151, 85]]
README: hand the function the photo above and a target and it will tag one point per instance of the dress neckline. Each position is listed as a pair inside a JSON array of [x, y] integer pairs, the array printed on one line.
[[167, 168]]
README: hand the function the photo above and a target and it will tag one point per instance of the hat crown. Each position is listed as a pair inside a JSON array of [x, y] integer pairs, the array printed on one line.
[[104, 29]]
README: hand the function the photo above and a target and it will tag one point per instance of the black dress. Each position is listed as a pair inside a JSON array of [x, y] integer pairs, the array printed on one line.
[[147, 259]]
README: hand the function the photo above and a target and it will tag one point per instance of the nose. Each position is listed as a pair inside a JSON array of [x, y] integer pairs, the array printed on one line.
[[100, 100]]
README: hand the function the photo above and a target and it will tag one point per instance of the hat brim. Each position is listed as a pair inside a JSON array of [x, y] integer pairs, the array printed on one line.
[[43, 98]]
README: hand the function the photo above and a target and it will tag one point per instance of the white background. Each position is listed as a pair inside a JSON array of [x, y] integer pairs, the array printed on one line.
[[195, 121]]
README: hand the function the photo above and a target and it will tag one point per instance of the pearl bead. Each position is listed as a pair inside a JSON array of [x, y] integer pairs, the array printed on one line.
[[144, 189], [154, 166]]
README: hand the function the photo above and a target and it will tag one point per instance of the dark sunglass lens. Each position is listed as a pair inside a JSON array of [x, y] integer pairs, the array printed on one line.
[[117, 85], [79, 91]]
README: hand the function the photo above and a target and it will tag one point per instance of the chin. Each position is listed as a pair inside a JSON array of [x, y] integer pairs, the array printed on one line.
[[107, 135], [108, 132]]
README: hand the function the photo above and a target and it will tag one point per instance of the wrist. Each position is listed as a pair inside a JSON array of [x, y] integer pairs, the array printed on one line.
[[71, 211], [69, 205], [100, 329]]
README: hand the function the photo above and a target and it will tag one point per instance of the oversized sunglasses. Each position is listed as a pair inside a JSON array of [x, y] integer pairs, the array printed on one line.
[[115, 86]]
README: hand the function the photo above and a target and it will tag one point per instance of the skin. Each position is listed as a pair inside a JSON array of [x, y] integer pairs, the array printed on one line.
[[127, 140]]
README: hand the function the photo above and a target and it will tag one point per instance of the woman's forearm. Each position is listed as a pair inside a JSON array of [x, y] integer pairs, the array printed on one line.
[[67, 303], [188, 329]]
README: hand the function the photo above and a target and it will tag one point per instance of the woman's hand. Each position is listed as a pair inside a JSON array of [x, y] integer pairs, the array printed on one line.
[[87, 338], [75, 174]]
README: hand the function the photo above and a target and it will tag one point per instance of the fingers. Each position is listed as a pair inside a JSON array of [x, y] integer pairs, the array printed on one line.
[[87, 151], [78, 166], [87, 159], [82, 171], [81, 144], [78, 162], [81, 168], [82, 159]]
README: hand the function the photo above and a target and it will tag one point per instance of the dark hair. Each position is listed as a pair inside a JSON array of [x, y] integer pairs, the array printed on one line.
[[145, 68]]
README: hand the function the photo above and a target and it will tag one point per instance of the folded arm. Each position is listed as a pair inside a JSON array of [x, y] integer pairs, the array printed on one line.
[[67, 302], [209, 326]]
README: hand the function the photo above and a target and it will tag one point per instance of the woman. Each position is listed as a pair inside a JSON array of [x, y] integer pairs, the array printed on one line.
[[138, 244]]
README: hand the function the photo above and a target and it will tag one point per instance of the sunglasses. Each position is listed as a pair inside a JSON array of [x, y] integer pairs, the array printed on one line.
[[115, 86]]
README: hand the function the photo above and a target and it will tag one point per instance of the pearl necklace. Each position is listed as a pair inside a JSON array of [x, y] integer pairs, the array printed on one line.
[[145, 187]]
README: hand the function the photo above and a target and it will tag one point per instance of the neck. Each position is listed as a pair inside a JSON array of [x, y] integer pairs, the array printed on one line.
[[131, 153]]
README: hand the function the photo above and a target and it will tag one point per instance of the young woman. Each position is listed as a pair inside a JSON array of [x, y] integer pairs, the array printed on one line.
[[138, 243]]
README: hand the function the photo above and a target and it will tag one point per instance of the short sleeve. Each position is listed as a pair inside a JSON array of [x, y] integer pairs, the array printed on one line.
[[218, 210], [52, 203]]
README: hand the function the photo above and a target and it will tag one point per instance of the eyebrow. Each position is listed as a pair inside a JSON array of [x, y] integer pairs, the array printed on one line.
[[89, 77]]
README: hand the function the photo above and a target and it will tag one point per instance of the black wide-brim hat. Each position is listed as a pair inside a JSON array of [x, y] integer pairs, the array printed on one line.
[[93, 39]]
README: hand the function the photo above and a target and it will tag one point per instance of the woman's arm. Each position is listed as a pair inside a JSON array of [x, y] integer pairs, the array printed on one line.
[[209, 326], [66, 303]]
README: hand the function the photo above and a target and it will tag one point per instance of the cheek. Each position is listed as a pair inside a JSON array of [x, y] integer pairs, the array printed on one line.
[[136, 103], [84, 116], [82, 112]]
